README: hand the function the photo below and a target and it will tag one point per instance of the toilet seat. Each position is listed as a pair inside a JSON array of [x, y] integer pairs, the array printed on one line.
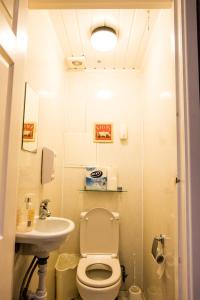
[[111, 263]]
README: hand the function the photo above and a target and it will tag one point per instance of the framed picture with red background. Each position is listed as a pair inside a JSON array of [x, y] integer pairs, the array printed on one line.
[[103, 133]]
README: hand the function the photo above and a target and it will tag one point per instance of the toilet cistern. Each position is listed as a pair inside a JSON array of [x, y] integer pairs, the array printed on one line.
[[44, 212]]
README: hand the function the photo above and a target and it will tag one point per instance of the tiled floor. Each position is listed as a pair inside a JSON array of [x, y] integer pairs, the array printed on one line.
[[119, 298], [122, 296]]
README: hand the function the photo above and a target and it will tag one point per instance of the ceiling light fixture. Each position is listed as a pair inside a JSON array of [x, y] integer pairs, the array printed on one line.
[[104, 38]]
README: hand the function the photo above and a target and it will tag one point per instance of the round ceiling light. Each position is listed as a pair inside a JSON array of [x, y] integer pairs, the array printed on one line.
[[104, 38]]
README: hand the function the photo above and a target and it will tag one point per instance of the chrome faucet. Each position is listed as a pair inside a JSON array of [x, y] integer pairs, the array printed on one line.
[[44, 212]]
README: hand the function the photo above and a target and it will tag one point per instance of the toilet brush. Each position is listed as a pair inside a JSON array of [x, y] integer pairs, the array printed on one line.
[[134, 269], [134, 292]]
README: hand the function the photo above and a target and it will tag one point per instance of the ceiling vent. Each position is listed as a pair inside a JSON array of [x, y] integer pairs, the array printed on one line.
[[76, 62]]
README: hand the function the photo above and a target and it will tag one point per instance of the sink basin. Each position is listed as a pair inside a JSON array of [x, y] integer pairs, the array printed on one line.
[[47, 235]]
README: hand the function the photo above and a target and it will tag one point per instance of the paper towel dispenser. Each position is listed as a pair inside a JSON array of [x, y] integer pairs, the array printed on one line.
[[47, 168]]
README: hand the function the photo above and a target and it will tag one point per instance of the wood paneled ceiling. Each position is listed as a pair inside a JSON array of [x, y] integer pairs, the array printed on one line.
[[134, 28]]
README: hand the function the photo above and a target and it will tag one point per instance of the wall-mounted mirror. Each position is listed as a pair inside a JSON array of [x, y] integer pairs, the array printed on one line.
[[30, 120]]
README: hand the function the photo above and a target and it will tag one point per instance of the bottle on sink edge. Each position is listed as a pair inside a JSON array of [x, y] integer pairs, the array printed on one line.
[[25, 215], [30, 212]]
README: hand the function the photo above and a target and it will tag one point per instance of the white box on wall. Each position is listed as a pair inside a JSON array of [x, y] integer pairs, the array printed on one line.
[[79, 149]]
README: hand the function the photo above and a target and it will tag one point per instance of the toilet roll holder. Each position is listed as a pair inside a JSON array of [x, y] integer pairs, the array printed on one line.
[[157, 249]]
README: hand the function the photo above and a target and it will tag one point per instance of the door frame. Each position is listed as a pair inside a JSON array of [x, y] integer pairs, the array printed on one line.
[[188, 126], [13, 50]]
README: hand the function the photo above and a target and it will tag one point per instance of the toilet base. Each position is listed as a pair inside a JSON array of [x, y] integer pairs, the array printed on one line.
[[91, 293]]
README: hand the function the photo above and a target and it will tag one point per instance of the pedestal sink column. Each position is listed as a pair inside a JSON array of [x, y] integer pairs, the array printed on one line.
[[41, 293]]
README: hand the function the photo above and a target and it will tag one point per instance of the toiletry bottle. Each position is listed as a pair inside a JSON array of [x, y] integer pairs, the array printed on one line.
[[21, 225], [30, 212]]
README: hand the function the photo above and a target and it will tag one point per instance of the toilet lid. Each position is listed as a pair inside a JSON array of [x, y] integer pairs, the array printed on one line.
[[86, 275], [99, 232]]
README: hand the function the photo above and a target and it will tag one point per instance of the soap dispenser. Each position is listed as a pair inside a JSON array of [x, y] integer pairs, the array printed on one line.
[[30, 212]]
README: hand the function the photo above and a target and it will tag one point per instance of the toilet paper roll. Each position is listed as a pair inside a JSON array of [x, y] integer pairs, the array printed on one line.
[[111, 172], [112, 184], [160, 259], [135, 293]]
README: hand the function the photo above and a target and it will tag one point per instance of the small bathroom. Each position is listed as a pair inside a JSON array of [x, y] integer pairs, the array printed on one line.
[[112, 111]]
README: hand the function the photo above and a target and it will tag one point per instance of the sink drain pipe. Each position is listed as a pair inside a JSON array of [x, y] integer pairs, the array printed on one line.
[[41, 293]]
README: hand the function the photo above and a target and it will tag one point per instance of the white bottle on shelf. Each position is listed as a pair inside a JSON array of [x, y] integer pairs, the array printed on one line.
[[111, 179]]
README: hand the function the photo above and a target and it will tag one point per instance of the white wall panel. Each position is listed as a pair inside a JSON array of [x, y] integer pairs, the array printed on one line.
[[122, 104], [160, 164]]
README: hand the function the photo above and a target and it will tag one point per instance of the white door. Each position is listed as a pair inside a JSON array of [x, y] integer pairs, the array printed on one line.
[[12, 50]]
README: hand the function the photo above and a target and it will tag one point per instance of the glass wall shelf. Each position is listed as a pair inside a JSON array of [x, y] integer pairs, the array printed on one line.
[[104, 191]]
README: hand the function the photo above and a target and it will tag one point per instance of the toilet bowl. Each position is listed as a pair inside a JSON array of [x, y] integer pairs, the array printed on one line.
[[99, 273]]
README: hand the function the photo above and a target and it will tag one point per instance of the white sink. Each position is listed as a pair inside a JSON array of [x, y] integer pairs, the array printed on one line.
[[47, 235]]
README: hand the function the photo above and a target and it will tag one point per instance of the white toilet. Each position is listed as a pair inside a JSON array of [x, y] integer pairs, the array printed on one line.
[[99, 273]]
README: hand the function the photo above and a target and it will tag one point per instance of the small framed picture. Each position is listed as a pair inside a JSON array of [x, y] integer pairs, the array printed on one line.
[[29, 131], [103, 133]]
